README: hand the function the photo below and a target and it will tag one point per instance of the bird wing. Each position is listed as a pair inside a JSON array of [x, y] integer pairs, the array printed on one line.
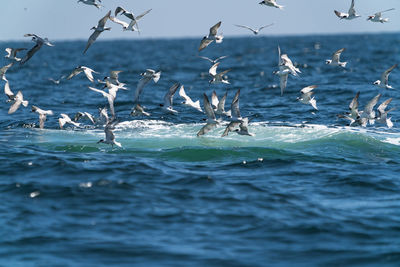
[[206, 128], [8, 91], [308, 89], [245, 27], [118, 10], [92, 39], [336, 55], [139, 88], [31, 52], [142, 15], [352, 10], [213, 70], [339, 14], [208, 109], [371, 104], [168, 98], [214, 29], [383, 106], [214, 100], [283, 82], [204, 43], [206, 58], [221, 57], [114, 74], [266, 26], [42, 119], [15, 105], [75, 72], [231, 126], [385, 75], [105, 94], [183, 94], [89, 73], [235, 105], [103, 20], [89, 116], [221, 103], [354, 103]]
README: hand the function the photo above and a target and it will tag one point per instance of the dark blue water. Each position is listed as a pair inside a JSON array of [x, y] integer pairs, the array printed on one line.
[[305, 190]]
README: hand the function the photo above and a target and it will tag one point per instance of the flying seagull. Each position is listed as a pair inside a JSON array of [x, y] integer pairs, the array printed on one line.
[[271, 3], [80, 115], [42, 115], [382, 114], [188, 101], [350, 15], [306, 96], [12, 53], [168, 99], [212, 36], [39, 43], [213, 61], [98, 30], [384, 81], [18, 99], [134, 19], [286, 67], [125, 26], [377, 17], [110, 137], [147, 76], [211, 120], [354, 115], [217, 77], [91, 3], [368, 114], [66, 119], [335, 61], [88, 72], [255, 31]]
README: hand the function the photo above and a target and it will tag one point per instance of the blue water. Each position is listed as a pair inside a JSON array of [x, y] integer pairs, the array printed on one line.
[[305, 190]]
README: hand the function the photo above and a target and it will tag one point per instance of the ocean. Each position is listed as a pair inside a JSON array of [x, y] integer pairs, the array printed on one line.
[[305, 190]]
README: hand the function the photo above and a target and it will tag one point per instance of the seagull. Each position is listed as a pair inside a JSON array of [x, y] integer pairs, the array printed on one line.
[[125, 26], [148, 75], [109, 97], [79, 115], [211, 120], [110, 137], [286, 67], [3, 71], [168, 99], [271, 3], [39, 43], [213, 61], [350, 15], [138, 110], [382, 114], [91, 3], [384, 81], [217, 77], [354, 115], [255, 31], [306, 96], [42, 115], [66, 119], [212, 36], [12, 53], [56, 81], [368, 115], [97, 30], [188, 101], [88, 72], [219, 105], [134, 19], [113, 78], [377, 17], [18, 99], [335, 61]]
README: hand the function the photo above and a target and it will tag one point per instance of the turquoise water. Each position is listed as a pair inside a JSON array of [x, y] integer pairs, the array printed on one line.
[[306, 189]]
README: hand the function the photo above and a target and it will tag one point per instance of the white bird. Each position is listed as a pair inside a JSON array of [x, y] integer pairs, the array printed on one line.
[[335, 61], [188, 101], [212, 36], [236, 118], [39, 43], [168, 99], [113, 89], [113, 78], [350, 15], [3, 71], [211, 121], [306, 96], [134, 19], [98, 30], [88, 72], [271, 3], [66, 119], [217, 77], [125, 26], [110, 137], [382, 114], [368, 115], [103, 116], [110, 99], [91, 3], [377, 17], [286, 67], [18, 99], [147, 76], [42, 115], [12, 53], [384, 81], [138, 111], [213, 61], [80, 115], [219, 105], [255, 31], [354, 115]]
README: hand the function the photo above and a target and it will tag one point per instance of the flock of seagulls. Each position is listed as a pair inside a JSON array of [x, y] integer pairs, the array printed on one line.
[[211, 109]]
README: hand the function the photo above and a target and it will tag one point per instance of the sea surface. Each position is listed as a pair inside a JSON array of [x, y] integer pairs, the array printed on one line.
[[306, 190]]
